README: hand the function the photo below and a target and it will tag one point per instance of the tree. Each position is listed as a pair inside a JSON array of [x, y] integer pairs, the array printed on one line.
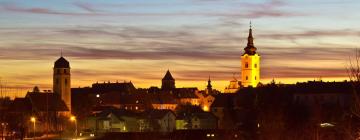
[[353, 71]]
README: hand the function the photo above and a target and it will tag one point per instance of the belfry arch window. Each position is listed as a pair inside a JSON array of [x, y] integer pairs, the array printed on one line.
[[246, 64]]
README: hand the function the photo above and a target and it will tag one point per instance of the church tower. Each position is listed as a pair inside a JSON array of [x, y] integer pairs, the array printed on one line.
[[208, 87], [250, 64], [61, 80], [168, 82]]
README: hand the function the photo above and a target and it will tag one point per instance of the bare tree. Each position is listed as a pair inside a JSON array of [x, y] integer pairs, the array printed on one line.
[[353, 71]]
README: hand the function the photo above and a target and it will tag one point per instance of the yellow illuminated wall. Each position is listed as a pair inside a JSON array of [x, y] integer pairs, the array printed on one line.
[[250, 70]]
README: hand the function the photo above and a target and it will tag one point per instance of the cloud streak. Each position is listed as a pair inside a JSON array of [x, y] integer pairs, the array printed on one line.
[[257, 11]]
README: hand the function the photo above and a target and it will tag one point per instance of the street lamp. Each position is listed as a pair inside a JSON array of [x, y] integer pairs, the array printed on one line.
[[33, 120], [73, 119]]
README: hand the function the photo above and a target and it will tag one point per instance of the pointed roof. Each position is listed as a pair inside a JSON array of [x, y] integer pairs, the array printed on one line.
[[250, 49], [209, 86], [168, 76], [61, 63], [38, 102]]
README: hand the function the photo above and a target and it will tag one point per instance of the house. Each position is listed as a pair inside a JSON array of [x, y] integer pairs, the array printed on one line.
[[186, 96], [158, 120], [46, 107], [162, 101], [196, 120], [203, 120], [182, 122], [113, 120]]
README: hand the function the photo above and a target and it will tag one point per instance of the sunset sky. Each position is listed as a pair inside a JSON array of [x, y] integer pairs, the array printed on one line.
[[139, 40]]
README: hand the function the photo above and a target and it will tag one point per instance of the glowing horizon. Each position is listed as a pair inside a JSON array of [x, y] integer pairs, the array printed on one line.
[[139, 40]]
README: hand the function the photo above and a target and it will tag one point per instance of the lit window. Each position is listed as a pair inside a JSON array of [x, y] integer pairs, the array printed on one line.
[[136, 108]]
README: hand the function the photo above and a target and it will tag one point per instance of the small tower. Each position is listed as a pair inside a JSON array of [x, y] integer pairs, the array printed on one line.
[[168, 82], [209, 87], [61, 80], [250, 64]]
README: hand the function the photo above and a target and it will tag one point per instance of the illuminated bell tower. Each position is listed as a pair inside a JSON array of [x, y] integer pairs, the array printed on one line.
[[250, 64], [61, 80]]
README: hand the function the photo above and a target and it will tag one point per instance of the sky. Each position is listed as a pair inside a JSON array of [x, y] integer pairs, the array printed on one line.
[[138, 40]]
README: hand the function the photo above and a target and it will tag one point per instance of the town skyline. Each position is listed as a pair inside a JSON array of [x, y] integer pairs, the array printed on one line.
[[136, 41]]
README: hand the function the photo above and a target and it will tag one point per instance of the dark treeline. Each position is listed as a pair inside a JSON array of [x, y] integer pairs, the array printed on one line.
[[302, 111]]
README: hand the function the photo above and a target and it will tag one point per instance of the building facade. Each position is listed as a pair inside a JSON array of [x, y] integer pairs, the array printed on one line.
[[62, 80], [250, 64]]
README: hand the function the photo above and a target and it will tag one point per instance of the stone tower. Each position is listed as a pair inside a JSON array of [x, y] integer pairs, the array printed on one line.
[[62, 81], [168, 82], [250, 64]]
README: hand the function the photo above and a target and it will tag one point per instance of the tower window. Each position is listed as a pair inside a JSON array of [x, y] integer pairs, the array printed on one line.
[[255, 66], [65, 71], [66, 81], [246, 65], [246, 77], [255, 77]]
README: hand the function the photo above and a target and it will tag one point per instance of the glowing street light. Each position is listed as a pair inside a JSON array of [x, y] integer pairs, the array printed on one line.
[[73, 119], [33, 120]]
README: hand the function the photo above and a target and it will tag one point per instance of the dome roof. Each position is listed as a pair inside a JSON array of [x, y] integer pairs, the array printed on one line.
[[61, 63]]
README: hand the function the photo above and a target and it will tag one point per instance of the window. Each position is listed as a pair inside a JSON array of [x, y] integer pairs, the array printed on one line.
[[65, 71], [66, 81], [246, 78], [255, 65], [255, 77], [246, 65]]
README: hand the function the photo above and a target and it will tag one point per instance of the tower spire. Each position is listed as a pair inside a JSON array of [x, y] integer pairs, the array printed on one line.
[[250, 37], [209, 86], [250, 48]]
